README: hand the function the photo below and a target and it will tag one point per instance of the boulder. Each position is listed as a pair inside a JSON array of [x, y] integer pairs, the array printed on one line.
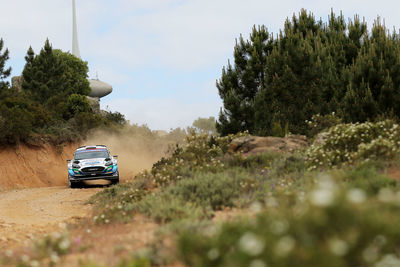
[[250, 145]]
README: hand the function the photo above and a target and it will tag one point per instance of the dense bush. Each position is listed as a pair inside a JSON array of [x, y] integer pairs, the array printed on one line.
[[368, 177], [319, 123], [346, 143], [201, 152]]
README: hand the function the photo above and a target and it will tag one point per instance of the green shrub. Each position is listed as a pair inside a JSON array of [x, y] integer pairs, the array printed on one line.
[[320, 123], [347, 143], [367, 177], [200, 153], [112, 203], [217, 190], [77, 104], [326, 227], [197, 197], [164, 208], [263, 160], [52, 246]]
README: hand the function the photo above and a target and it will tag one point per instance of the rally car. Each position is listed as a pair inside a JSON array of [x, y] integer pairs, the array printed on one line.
[[92, 163]]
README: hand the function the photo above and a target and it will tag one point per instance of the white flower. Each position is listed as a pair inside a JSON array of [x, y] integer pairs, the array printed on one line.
[[385, 195], [54, 258], [322, 197], [338, 247], [389, 260], [251, 244], [356, 196], [213, 254], [284, 246], [64, 244]]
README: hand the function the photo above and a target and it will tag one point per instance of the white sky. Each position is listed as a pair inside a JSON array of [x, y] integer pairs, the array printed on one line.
[[161, 56]]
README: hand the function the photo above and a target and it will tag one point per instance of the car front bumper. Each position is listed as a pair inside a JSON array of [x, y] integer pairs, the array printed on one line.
[[113, 176]]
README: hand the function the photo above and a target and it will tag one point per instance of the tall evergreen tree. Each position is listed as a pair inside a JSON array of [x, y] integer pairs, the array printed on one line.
[[311, 67], [54, 74], [238, 86], [4, 72]]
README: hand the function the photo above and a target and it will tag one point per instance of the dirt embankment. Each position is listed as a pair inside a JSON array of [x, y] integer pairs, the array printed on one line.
[[24, 166], [45, 166]]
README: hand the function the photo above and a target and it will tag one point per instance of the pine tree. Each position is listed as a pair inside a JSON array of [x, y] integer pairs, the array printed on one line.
[[311, 67], [238, 86], [53, 75], [4, 73]]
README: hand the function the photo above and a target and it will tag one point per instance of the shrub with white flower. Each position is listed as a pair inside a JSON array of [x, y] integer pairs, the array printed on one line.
[[336, 228], [347, 143]]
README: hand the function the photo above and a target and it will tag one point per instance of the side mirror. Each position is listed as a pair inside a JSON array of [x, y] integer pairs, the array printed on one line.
[[68, 160], [108, 159], [115, 156], [76, 161]]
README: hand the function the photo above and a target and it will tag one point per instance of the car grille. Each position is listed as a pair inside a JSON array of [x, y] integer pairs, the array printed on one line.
[[93, 170]]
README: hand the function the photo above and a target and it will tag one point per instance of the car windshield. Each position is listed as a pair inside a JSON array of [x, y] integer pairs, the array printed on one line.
[[91, 155]]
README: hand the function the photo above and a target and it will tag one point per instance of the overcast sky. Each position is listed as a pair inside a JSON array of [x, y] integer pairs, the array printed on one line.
[[162, 57]]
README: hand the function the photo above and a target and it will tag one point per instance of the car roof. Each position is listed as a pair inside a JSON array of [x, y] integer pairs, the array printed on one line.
[[96, 147]]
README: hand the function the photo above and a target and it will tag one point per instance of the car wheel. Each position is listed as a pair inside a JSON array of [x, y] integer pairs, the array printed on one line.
[[73, 184], [115, 180]]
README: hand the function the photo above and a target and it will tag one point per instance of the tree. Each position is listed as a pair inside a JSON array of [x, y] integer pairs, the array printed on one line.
[[239, 85], [205, 125], [53, 73], [4, 72], [78, 104], [310, 68]]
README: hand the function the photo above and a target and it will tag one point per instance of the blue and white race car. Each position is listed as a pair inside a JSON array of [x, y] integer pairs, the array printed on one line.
[[92, 163]]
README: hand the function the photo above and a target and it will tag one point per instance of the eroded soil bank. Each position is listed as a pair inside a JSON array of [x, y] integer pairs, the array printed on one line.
[[26, 167]]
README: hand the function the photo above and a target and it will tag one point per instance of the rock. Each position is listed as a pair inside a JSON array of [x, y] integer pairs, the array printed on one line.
[[250, 145]]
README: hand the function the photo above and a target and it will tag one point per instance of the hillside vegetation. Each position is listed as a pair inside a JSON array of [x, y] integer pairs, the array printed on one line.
[[284, 211], [52, 105]]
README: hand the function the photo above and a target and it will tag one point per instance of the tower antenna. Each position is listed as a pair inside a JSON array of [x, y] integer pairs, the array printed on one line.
[[75, 46]]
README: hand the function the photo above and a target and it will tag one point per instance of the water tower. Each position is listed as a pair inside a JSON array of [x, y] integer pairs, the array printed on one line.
[[98, 88]]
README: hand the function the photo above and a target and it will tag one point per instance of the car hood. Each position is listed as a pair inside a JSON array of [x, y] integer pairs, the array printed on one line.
[[92, 162]]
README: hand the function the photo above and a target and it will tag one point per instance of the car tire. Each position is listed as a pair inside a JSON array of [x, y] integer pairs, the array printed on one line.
[[73, 184], [115, 180]]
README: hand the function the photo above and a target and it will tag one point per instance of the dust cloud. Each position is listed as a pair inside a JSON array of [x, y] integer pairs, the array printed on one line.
[[138, 148]]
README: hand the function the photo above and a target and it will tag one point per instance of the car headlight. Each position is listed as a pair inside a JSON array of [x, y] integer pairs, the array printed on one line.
[[108, 163], [75, 166]]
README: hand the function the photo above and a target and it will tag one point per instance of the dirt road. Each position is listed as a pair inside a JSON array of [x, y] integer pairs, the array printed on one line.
[[27, 213]]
